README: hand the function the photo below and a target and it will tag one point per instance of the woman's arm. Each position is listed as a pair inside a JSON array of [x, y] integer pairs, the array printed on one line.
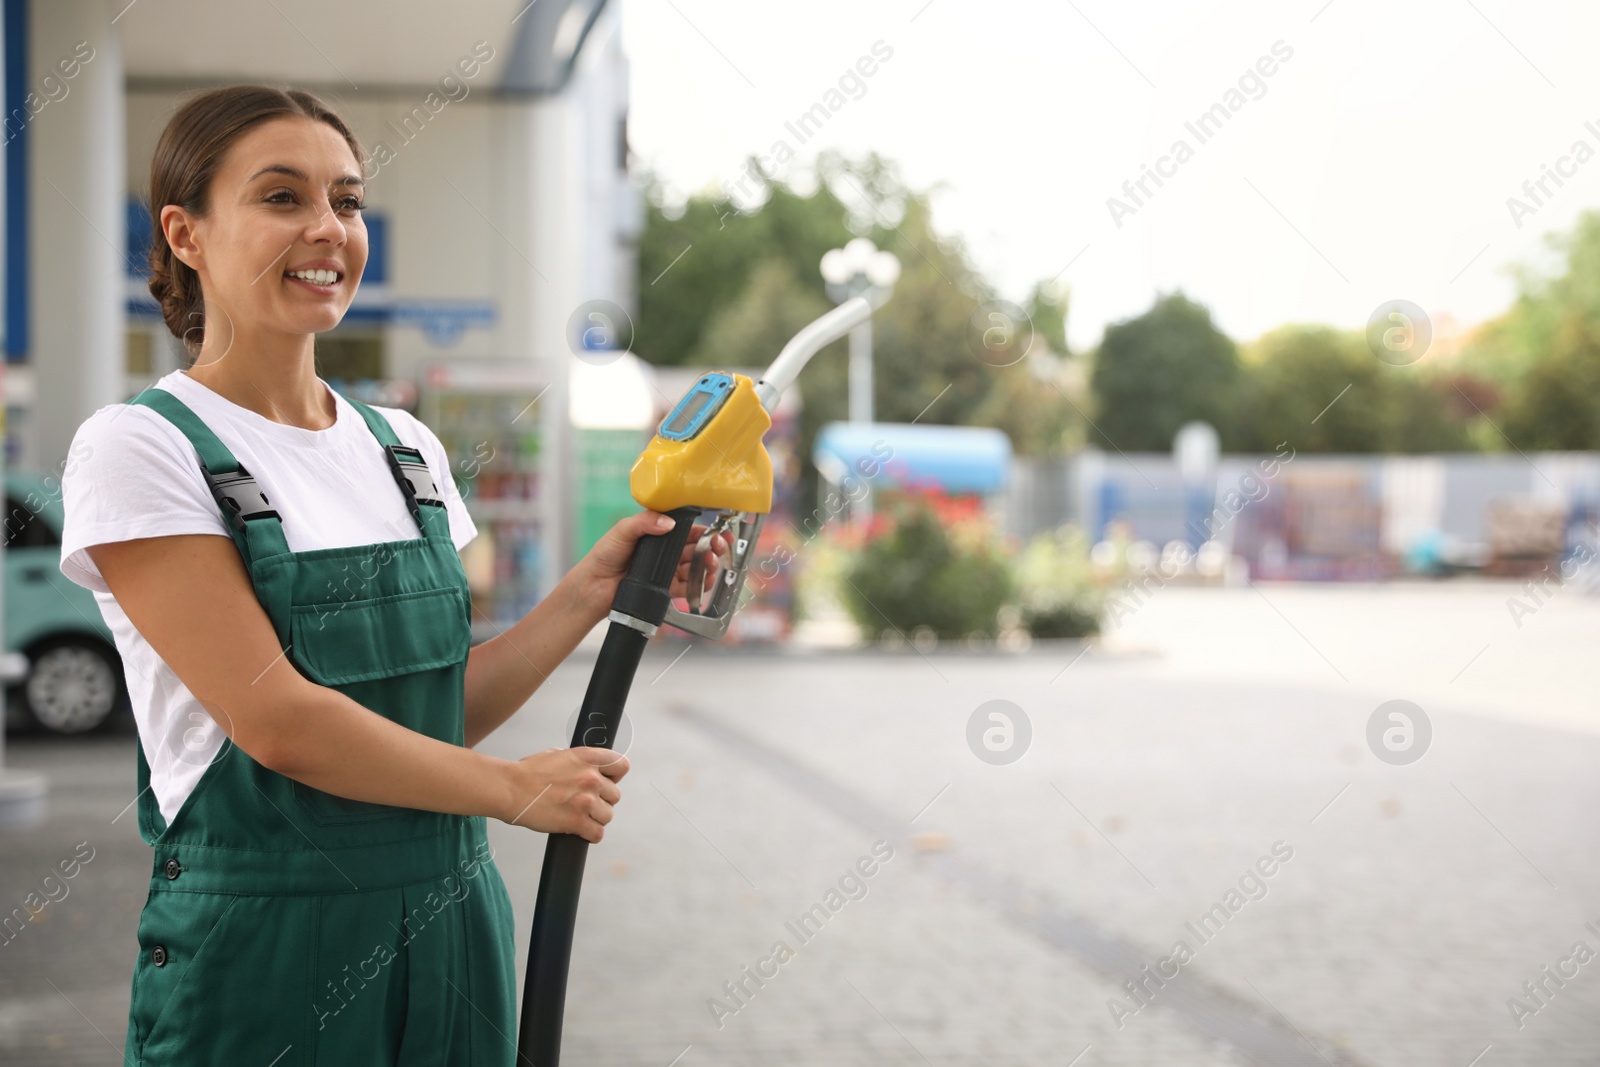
[[190, 597], [503, 672]]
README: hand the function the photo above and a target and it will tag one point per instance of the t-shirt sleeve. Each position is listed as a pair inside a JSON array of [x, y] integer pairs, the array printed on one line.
[[411, 429], [129, 474]]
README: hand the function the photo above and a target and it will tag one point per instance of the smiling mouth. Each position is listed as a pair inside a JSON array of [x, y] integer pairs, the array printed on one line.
[[316, 277]]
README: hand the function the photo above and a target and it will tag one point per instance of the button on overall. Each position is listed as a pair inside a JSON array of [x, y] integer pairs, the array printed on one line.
[[287, 925]]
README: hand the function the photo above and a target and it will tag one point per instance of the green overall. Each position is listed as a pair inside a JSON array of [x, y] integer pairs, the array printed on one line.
[[286, 926]]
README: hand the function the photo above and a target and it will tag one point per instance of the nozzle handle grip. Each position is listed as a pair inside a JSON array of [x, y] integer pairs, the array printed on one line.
[[644, 593]]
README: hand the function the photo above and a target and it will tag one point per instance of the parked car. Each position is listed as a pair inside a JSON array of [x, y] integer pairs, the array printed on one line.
[[60, 663]]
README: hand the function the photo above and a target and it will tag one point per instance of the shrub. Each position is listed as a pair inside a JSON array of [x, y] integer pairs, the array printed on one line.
[[1056, 582], [928, 561]]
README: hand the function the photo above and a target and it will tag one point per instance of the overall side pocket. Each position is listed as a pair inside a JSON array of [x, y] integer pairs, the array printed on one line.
[[175, 931]]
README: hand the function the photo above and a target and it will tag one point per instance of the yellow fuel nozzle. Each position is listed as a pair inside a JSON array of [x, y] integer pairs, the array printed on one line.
[[708, 453]]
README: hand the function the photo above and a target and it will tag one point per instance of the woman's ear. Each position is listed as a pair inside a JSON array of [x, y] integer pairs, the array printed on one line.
[[178, 226]]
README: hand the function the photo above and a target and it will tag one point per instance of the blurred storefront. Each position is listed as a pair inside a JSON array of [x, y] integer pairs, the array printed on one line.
[[499, 203]]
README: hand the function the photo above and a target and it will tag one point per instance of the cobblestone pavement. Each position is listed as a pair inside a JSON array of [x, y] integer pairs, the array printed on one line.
[[1214, 734]]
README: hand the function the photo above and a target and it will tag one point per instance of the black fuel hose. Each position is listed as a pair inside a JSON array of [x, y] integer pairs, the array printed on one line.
[[642, 595]]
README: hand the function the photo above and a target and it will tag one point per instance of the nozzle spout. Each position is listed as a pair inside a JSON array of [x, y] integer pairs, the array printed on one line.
[[811, 339]]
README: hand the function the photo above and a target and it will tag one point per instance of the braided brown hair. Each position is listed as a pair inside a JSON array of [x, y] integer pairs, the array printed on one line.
[[187, 157]]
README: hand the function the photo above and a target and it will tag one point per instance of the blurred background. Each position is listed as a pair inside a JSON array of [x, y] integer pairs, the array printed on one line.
[[1187, 580]]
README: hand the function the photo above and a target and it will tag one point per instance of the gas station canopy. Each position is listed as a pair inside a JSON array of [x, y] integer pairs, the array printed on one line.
[[357, 45]]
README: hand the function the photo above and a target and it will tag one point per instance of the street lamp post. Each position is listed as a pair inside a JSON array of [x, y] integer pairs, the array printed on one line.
[[860, 268]]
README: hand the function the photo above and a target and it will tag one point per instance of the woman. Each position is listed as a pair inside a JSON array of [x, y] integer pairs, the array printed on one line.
[[322, 887]]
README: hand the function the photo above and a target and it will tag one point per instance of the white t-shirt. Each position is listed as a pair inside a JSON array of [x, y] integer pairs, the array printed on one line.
[[134, 474]]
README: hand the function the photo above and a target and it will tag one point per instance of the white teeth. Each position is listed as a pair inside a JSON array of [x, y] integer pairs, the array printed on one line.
[[316, 277]]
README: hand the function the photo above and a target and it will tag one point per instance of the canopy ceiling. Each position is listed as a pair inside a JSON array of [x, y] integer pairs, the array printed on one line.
[[351, 45]]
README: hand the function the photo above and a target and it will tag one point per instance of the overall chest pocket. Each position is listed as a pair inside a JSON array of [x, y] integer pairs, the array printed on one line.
[[403, 656]]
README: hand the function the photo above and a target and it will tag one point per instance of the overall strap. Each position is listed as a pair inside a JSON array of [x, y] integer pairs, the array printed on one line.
[[411, 474], [254, 526]]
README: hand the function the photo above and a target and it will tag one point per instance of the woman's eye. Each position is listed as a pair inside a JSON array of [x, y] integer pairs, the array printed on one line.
[[350, 203], [282, 196]]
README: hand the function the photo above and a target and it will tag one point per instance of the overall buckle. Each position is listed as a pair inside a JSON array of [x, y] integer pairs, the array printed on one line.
[[239, 497], [411, 473]]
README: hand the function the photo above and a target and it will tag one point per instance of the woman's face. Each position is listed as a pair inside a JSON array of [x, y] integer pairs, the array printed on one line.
[[282, 244]]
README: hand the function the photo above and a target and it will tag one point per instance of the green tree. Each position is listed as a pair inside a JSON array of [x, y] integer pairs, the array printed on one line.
[[1557, 402], [923, 367], [1432, 412], [720, 286], [1047, 313], [1029, 404], [1155, 372], [1322, 390], [1544, 353], [698, 263], [1042, 410], [752, 329], [1548, 300]]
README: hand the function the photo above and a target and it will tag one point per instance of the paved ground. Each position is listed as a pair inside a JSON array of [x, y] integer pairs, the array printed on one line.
[[1164, 764]]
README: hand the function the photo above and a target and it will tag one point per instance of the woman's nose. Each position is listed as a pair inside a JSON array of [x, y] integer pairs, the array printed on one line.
[[327, 226]]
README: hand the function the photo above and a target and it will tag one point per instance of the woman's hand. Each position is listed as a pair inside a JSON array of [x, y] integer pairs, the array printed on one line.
[[598, 574], [567, 791]]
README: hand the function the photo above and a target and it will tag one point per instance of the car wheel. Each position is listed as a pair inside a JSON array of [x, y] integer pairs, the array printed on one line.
[[73, 686]]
